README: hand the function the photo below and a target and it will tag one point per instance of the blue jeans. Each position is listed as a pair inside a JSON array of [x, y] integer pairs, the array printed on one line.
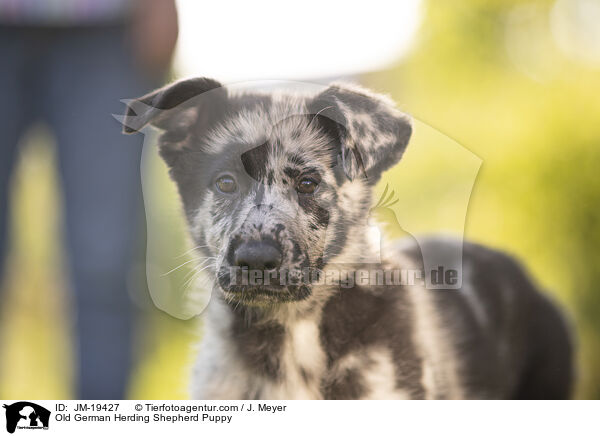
[[73, 79]]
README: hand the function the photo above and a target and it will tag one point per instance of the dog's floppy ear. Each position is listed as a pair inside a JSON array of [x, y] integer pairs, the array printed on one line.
[[372, 133], [179, 109]]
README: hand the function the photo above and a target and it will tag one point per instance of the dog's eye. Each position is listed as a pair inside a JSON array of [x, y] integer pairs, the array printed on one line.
[[226, 184], [307, 186]]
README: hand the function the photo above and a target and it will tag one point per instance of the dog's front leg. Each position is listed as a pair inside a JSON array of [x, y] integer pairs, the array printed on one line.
[[217, 373]]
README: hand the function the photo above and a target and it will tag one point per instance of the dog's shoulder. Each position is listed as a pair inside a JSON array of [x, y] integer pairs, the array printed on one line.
[[493, 321], [366, 334]]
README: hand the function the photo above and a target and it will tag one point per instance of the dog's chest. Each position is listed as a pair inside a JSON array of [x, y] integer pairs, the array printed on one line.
[[301, 364], [302, 370], [298, 360]]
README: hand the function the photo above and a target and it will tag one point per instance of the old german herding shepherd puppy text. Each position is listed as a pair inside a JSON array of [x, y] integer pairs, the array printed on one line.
[[276, 183]]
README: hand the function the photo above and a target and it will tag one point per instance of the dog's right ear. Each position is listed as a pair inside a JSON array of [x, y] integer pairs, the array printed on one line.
[[184, 107], [372, 133]]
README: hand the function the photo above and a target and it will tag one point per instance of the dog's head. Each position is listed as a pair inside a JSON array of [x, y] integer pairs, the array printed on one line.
[[273, 186]]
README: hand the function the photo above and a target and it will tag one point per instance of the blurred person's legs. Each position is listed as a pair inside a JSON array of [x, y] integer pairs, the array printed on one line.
[[89, 72], [16, 111]]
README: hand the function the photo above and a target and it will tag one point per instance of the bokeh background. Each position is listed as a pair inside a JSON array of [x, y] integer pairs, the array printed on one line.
[[513, 83]]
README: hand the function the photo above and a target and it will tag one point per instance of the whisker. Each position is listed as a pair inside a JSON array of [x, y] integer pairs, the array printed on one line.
[[178, 267], [195, 248]]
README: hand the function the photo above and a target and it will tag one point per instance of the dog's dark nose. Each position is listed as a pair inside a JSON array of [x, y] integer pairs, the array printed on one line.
[[257, 255]]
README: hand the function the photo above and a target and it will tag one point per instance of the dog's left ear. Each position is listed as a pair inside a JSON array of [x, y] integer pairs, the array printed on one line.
[[183, 112], [178, 108], [371, 132]]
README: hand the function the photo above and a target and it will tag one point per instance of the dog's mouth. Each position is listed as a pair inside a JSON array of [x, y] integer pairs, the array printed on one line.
[[266, 295], [245, 286], [259, 270]]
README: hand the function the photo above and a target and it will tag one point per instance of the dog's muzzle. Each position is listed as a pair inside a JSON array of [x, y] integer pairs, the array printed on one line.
[[257, 271]]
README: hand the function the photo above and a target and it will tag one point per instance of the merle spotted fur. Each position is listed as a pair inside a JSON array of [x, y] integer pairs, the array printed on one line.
[[496, 337]]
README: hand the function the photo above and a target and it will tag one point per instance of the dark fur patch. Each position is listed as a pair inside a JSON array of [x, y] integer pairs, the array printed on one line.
[[355, 319], [259, 345], [254, 161], [349, 386], [292, 173], [536, 361], [297, 159], [310, 206], [307, 376]]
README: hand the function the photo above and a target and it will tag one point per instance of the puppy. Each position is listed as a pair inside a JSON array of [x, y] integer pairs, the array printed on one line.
[[276, 190]]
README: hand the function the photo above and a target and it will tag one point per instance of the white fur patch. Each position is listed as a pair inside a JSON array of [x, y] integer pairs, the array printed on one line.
[[473, 300], [440, 376], [218, 373], [376, 373], [302, 352]]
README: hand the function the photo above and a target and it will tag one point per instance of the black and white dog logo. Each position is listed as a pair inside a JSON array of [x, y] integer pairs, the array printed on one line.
[[26, 415]]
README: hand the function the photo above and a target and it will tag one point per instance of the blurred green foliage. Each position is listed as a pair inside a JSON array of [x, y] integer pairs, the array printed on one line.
[[488, 74]]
